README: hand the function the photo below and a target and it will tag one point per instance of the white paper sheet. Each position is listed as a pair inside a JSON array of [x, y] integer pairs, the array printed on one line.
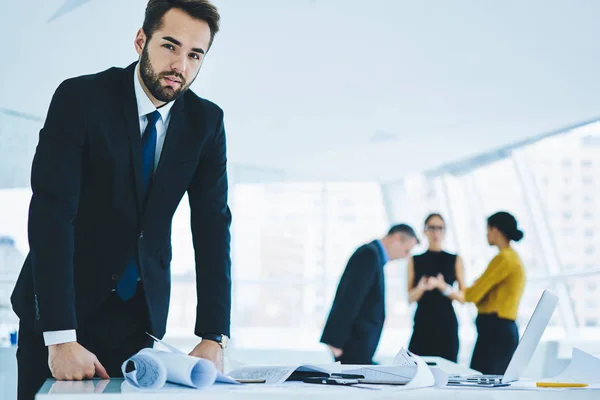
[[220, 378], [405, 358], [423, 377], [440, 376], [148, 373], [402, 370], [272, 375], [407, 367], [153, 368], [584, 368], [279, 374]]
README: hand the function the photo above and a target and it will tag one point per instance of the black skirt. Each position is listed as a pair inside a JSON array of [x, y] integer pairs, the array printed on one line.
[[497, 340], [436, 337]]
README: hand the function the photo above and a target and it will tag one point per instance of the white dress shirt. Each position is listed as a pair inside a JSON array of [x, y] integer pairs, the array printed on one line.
[[145, 106]]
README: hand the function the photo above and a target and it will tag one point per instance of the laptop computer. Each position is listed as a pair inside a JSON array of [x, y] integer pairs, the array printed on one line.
[[531, 337]]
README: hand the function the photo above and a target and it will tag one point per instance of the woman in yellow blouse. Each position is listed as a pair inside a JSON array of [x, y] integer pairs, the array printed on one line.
[[497, 294]]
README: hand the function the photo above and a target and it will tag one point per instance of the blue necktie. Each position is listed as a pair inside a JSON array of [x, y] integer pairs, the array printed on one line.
[[127, 285]]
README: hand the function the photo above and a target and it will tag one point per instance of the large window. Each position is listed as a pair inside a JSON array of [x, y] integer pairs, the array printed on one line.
[[14, 205], [551, 186], [290, 245], [291, 241]]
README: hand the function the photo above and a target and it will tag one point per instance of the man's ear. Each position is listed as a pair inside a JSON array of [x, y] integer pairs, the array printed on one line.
[[140, 41]]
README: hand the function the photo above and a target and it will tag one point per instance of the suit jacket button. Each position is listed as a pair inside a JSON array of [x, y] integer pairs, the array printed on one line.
[[141, 235], [115, 277]]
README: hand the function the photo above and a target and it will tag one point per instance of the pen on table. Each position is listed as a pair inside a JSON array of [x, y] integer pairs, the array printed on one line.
[[560, 385]]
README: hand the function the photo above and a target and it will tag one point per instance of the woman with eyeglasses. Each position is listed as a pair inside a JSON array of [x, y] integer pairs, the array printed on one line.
[[435, 331], [497, 295]]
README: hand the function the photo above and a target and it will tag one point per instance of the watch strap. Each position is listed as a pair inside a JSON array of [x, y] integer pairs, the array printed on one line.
[[215, 337]]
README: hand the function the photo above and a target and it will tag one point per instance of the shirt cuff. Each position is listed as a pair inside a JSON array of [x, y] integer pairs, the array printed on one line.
[[59, 337]]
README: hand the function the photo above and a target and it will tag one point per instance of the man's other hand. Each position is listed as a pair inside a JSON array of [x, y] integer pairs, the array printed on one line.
[[337, 353], [72, 362], [211, 351]]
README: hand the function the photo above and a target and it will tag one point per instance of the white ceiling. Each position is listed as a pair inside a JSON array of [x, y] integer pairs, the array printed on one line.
[[342, 89]]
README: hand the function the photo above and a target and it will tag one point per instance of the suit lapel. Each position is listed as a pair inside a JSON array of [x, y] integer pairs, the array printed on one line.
[[130, 114]]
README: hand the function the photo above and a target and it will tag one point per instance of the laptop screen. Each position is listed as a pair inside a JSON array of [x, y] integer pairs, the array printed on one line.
[[531, 337]]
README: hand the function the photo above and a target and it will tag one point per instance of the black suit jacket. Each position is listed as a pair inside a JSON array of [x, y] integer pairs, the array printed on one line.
[[357, 315], [86, 218]]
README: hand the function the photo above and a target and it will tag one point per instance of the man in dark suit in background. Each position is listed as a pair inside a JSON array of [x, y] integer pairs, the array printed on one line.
[[357, 315], [117, 152]]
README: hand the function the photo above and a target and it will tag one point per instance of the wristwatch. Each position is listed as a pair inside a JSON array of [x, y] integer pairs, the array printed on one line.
[[219, 338]]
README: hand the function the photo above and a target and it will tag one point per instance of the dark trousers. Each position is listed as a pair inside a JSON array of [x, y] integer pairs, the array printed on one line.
[[359, 351], [114, 333], [497, 340], [435, 337]]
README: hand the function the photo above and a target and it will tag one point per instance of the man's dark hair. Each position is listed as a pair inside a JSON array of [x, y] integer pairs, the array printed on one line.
[[405, 229], [200, 9]]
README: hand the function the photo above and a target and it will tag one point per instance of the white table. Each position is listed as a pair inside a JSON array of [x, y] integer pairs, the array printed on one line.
[[101, 390], [112, 388], [117, 389]]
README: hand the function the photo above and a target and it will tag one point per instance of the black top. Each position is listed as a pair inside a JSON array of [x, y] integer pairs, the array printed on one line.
[[433, 304]]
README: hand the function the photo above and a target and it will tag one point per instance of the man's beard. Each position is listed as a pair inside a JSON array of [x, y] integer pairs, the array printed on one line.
[[152, 80]]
